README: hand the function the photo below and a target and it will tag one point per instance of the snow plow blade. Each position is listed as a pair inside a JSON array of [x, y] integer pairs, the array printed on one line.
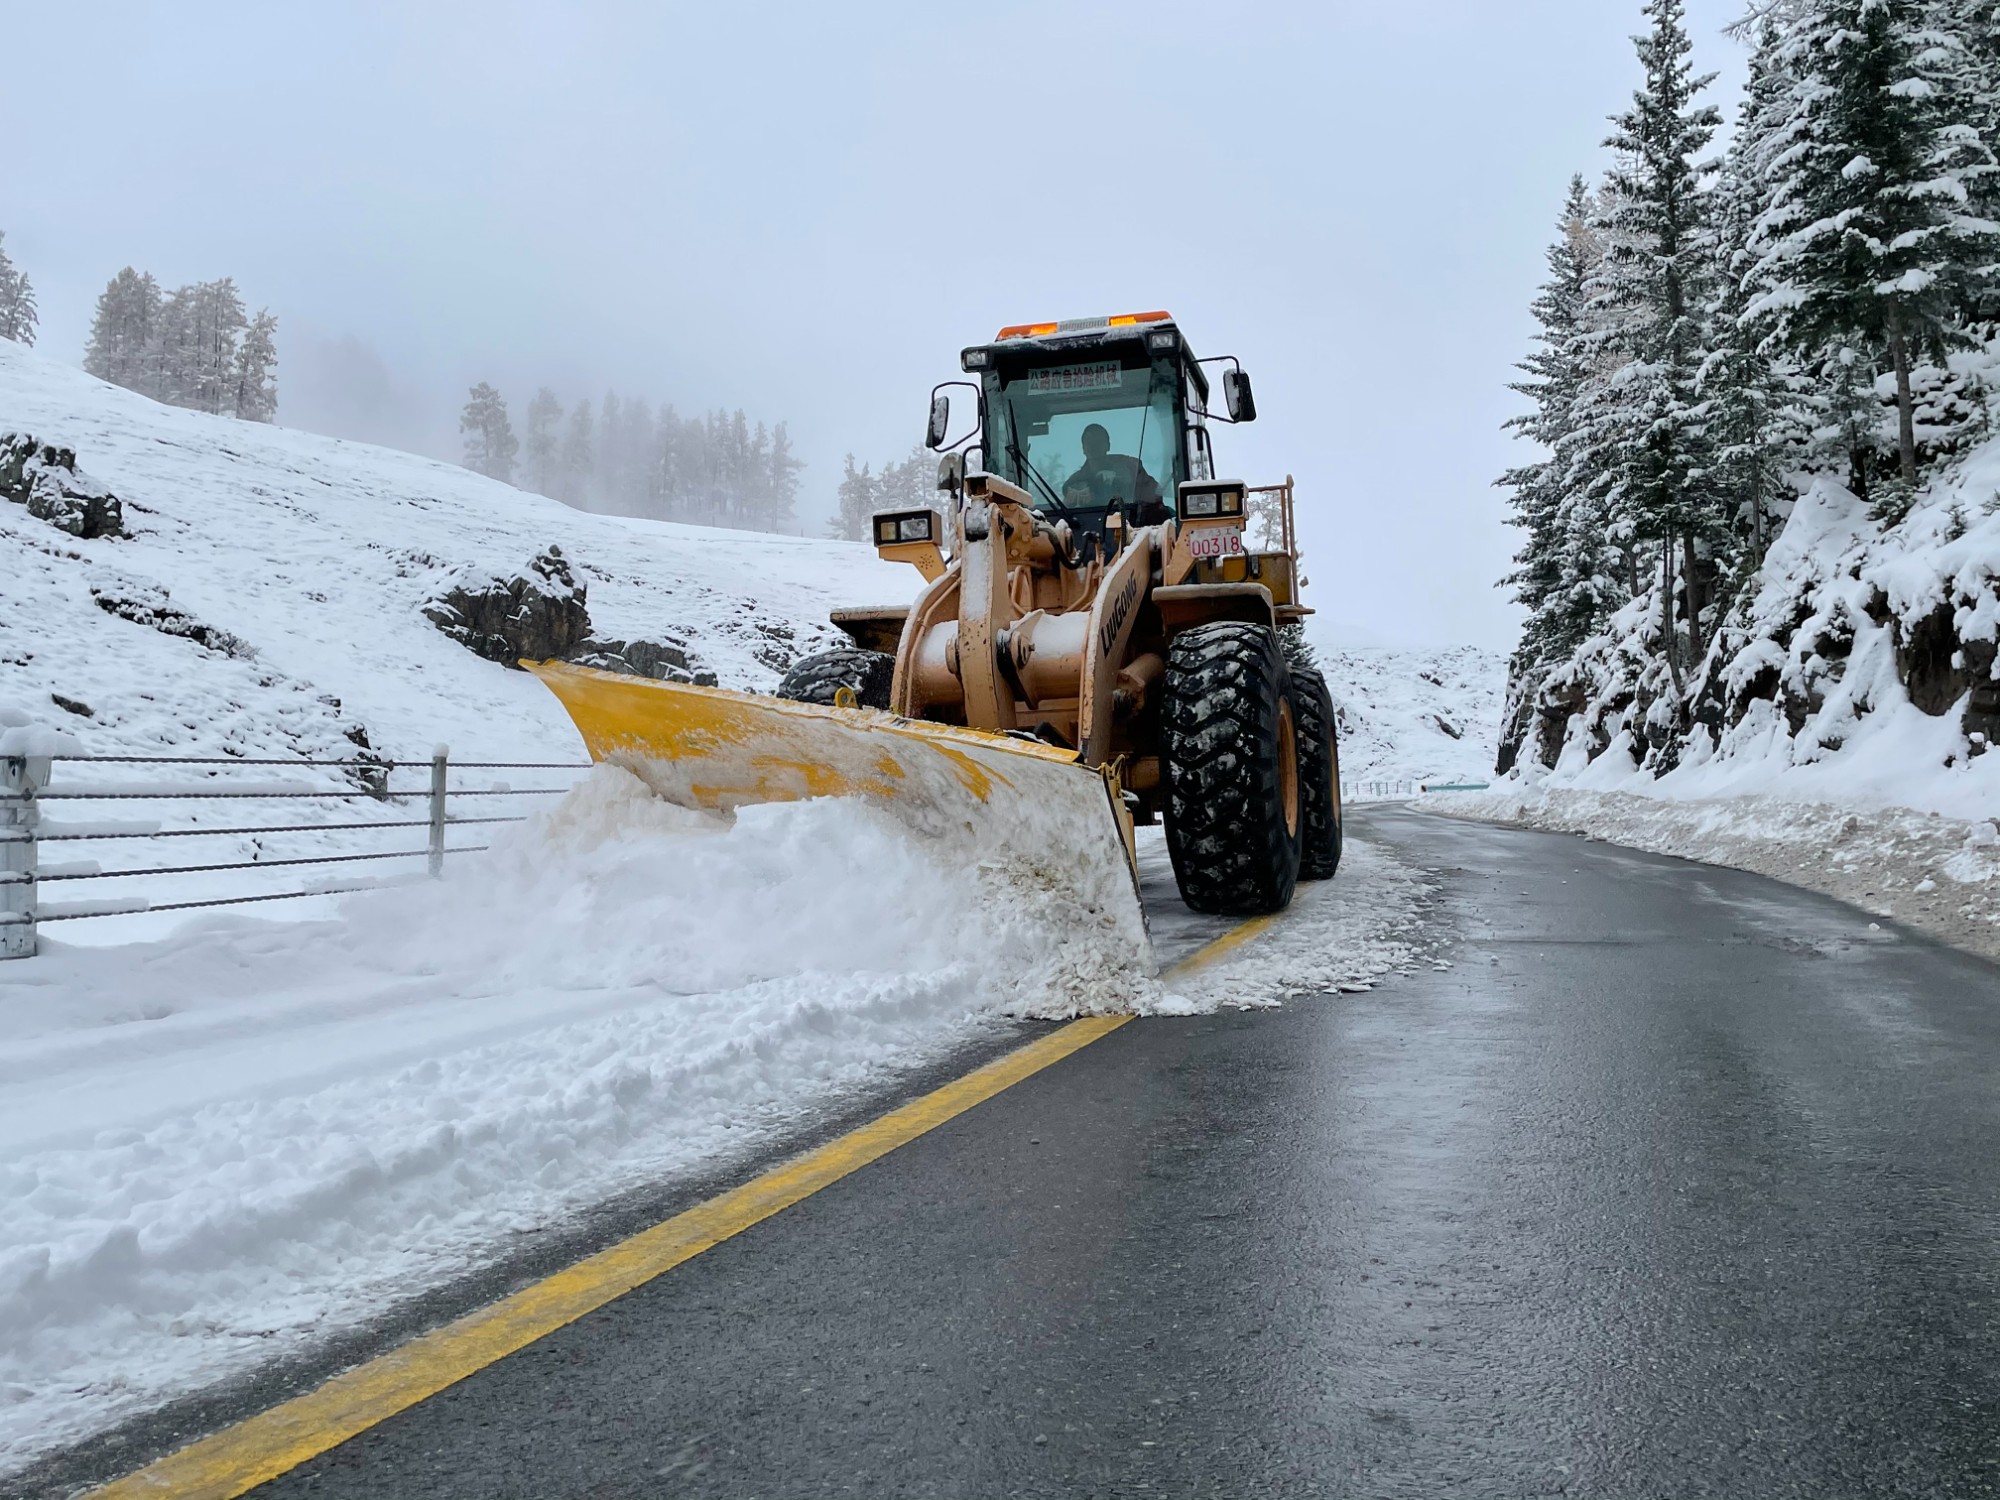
[[718, 750]]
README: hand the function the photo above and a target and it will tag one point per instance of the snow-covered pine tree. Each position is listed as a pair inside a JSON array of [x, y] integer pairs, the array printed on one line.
[[1556, 373], [1648, 293], [17, 300], [542, 448], [1750, 392], [610, 451], [1974, 25], [256, 369], [857, 501], [215, 321], [910, 484], [490, 444], [635, 489], [784, 481], [664, 479], [1869, 249], [578, 458], [123, 330]]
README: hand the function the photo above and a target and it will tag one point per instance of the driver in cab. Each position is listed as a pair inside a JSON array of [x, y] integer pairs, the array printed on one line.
[[1106, 478]]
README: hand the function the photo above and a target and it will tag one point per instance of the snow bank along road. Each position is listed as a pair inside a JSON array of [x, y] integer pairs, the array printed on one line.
[[1674, 1181]]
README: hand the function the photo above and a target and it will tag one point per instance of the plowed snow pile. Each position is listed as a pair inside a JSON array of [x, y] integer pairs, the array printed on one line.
[[218, 1146]]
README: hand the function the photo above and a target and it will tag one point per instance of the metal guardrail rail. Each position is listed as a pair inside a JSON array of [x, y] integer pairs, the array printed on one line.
[[28, 783]]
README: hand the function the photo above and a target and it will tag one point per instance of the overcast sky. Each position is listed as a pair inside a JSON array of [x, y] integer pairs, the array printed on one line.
[[807, 210]]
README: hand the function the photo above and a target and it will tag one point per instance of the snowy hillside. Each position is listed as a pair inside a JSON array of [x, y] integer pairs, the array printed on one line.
[[1416, 715], [315, 556]]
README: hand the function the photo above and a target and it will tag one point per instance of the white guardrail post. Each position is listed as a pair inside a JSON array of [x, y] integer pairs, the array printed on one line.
[[21, 776], [439, 771]]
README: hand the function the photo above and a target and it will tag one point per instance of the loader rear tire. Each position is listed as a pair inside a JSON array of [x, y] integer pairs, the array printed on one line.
[[1233, 812], [817, 678], [1319, 775]]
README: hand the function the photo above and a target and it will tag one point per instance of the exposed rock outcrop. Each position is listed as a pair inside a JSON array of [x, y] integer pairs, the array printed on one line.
[[543, 614], [148, 605], [537, 615], [45, 479]]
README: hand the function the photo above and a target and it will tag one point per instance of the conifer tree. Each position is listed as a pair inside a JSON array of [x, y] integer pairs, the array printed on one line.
[[1747, 389], [490, 445], [635, 490], [1648, 293], [1869, 250], [578, 458], [1557, 373], [783, 482], [256, 398], [544, 442], [124, 329], [857, 501], [18, 317], [1971, 34]]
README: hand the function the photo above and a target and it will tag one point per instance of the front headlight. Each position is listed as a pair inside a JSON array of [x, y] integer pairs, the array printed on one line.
[[914, 529], [1208, 503]]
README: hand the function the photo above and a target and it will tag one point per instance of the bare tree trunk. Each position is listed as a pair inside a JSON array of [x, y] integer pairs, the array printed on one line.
[[1691, 584], [1906, 407], [1757, 516], [1667, 643]]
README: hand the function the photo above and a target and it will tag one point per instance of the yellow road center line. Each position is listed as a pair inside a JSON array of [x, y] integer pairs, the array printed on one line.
[[239, 1458], [1223, 946]]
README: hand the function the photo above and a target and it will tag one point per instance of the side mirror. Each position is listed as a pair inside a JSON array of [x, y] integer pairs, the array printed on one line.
[[1236, 395], [934, 435], [951, 472]]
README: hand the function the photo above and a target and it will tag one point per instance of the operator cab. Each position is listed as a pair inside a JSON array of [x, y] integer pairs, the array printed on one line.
[[1094, 417]]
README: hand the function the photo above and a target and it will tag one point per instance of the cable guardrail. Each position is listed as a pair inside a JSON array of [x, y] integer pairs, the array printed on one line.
[[1391, 790], [29, 782]]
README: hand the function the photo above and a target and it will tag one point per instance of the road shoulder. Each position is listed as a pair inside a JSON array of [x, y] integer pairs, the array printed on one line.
[[1937, 875]]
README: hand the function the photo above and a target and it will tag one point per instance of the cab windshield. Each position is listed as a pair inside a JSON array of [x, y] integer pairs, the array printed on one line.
[[1093, 435]]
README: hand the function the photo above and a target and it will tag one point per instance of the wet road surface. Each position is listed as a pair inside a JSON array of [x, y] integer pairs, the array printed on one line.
[[1678, 1182]]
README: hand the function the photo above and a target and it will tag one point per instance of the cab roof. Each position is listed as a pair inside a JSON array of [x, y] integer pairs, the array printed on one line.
[[1031, 343]]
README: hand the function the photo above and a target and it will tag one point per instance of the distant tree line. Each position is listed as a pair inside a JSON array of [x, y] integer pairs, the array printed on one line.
[[17, 301], [630, 458], [908, 485], [1820, 300], [194, 346]]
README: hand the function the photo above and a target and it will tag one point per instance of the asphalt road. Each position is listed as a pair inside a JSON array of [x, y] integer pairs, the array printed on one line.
[[1679, 1182]]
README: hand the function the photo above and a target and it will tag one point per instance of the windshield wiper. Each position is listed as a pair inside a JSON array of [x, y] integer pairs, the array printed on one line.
[[1014, 452]]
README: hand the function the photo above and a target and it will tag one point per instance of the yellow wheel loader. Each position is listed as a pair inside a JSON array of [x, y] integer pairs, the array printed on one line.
[[1099, 640]]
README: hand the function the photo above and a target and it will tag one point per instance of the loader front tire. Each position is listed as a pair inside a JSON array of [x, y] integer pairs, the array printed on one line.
[[1234, 813], [820, 677], [1319, 775]]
